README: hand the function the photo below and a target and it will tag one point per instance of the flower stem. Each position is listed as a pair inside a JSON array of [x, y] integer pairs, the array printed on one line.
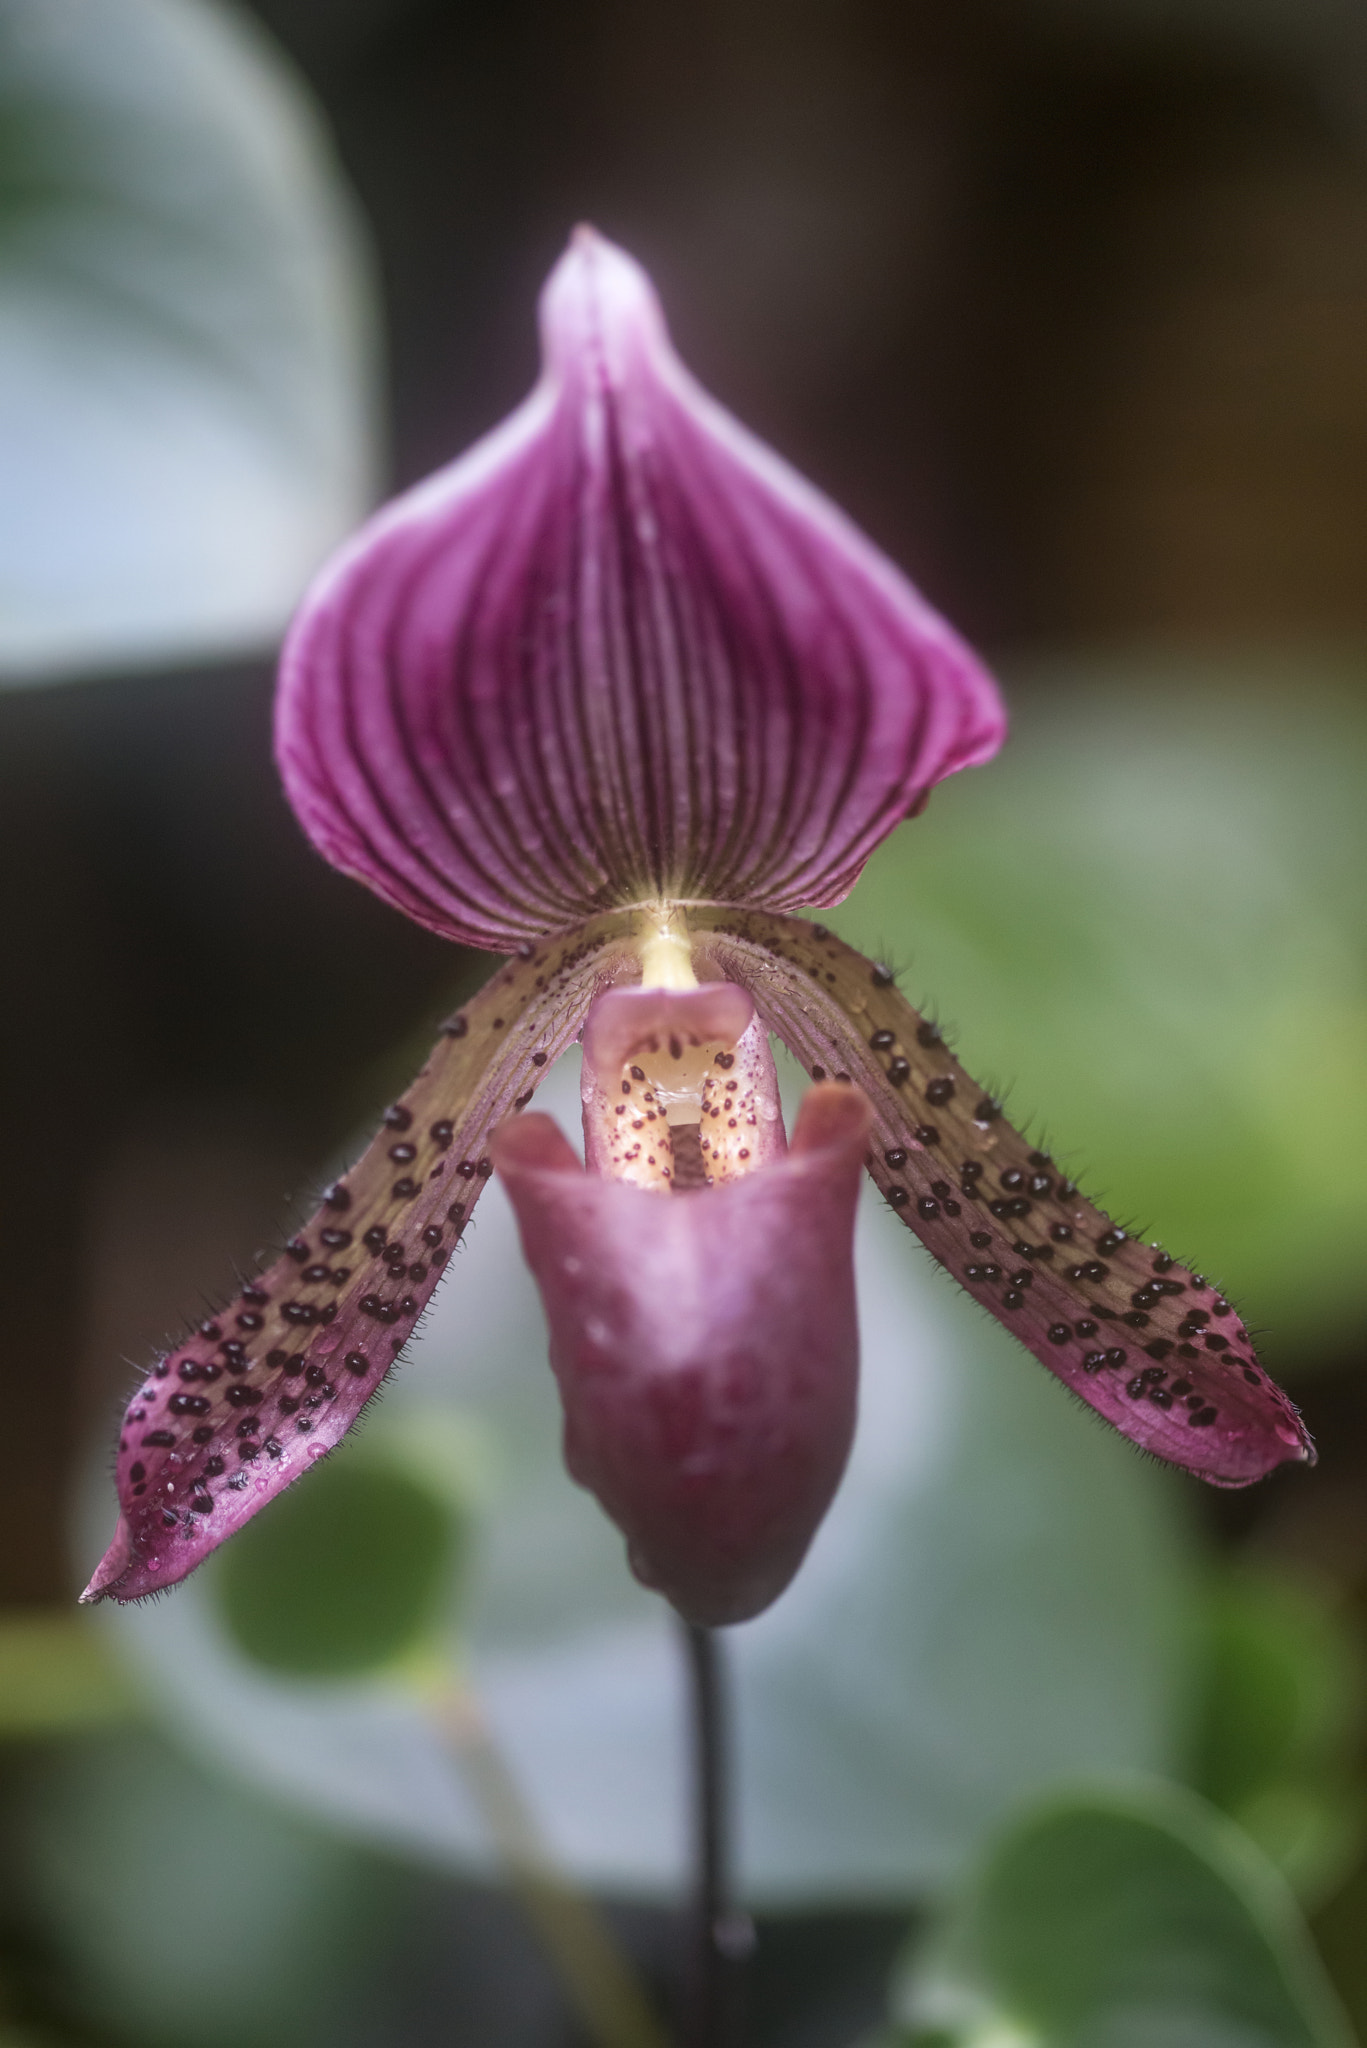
[[601, 1984], [721, 1937]]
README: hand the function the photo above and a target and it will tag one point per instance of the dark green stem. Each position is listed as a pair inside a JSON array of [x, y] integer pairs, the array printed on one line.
[[721, 1936]]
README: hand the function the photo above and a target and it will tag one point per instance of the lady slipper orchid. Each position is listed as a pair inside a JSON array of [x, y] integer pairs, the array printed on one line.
[[615, 694]]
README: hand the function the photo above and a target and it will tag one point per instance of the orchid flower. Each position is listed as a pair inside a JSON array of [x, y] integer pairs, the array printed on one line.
[[616, 694]]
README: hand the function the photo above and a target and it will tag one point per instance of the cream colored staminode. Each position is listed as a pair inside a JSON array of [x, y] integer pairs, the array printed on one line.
[[667, 953], [678, 1072]]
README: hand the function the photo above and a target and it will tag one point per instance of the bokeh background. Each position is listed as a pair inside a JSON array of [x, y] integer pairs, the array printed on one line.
[[1066, 302]]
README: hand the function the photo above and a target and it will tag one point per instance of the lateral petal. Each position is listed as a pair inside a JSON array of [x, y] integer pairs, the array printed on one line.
[[255, 1394], [706, 1349], [1153, 1347], [619, 651]]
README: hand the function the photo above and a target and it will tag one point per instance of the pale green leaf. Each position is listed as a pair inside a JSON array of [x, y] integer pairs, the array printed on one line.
[[186, 347]]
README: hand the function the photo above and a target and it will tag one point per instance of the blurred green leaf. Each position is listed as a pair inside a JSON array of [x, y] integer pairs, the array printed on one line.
[[186, 352], [1122, 1918], [1146, 921], [350, 1574], [57, 1674], [1279, 1731], [175, 1909]]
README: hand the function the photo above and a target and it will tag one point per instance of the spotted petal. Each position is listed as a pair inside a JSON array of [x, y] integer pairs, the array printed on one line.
[[255, 1394], [1153, 1347], [619, 651]]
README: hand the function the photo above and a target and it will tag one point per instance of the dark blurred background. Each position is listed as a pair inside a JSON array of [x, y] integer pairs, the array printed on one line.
[[1067, 304]]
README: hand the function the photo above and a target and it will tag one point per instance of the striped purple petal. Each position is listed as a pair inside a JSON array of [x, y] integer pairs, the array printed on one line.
[[1150, 1345], [254, 1395], [618, 652]]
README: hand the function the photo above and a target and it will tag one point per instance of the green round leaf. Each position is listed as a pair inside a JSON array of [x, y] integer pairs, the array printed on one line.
[[1279, 1731], [341, 1576], [1125, 1919]]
